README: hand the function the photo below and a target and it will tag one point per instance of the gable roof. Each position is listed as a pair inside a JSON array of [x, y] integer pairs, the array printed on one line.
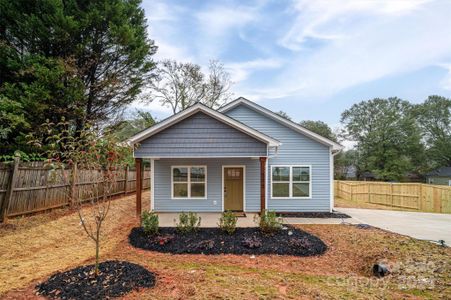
[[283, 121], [443, 171], [198, 107]]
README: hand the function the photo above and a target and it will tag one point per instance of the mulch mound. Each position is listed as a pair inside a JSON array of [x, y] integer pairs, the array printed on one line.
[[116, 278], [314, 215], [287, 241]]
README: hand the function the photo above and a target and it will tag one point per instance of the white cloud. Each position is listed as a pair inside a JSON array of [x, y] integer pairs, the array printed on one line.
[[240, 71], [396, 38], [446, 81], [217, 24], [325, 20]]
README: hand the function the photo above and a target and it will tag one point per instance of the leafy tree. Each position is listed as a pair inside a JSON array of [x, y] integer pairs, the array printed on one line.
[[320, 128], [387, 136], [84, 60], [11, 117], [283, 115], [43, 88], [344, 162], [125, 129], [180, 85], [434, 118]]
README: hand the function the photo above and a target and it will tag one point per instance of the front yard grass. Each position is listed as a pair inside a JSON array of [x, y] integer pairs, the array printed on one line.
[[31, 253]]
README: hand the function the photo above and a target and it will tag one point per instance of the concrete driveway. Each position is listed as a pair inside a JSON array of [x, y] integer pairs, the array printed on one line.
[[424, 226]]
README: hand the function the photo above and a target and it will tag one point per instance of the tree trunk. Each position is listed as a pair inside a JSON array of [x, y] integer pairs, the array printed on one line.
[[96, 270]]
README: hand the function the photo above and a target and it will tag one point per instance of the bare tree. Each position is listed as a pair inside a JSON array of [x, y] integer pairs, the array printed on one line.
[[72, 153], [180, 85]]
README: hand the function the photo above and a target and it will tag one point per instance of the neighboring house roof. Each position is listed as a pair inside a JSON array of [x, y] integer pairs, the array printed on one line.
[[282, 120], [198, 107], [442, 172]]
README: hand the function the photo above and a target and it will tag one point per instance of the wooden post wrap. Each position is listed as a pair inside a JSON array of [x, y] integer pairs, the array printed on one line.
[[9, 192], [138, 166], [262, 184]]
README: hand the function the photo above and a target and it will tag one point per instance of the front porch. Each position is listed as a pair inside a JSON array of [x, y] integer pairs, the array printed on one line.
[[222, 183], [212, 220]]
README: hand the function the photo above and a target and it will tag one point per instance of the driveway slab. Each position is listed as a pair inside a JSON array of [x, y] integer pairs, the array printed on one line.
[[423, 226]]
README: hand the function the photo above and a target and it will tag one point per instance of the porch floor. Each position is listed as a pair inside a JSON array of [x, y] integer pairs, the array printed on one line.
[[212, 220]]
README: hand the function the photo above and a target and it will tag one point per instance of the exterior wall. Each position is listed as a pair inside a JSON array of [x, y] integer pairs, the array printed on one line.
[[200, 136], [213, 203], [296, 149], [439, 180]]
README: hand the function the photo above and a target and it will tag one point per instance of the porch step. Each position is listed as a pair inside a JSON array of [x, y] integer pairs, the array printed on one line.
[[239, 214]]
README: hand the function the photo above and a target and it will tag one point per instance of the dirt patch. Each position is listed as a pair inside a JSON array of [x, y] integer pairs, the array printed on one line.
[[322, 215], [116, 278], [289, 241]]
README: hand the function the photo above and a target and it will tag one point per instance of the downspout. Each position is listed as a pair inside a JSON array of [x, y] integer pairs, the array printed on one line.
[[332, 184]]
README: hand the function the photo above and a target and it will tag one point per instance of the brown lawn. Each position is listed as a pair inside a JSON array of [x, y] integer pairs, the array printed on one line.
[[33, 248]]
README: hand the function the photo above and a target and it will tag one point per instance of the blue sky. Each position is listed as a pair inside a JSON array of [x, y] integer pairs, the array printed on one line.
[[311, 59]]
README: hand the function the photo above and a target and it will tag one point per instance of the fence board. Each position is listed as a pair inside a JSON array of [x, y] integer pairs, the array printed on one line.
[[39, 188], [417, 196]]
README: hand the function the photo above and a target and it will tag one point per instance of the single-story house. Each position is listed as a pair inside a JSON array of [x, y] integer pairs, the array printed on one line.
[[440, 176], [241, 157]]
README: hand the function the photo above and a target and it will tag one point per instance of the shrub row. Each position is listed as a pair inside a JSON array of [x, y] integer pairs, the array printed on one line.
[[268, 222]]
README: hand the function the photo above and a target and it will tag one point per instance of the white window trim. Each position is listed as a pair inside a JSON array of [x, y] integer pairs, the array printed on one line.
[[290, 182], [188, 182]]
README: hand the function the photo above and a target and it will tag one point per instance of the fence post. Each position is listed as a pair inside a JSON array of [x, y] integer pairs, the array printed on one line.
[[73, 185], [420, 198], [127, 168], [391, 193], [10, 190]]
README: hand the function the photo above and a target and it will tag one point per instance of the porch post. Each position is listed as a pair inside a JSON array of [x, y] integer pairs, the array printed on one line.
[[138, 168], [262, 183]]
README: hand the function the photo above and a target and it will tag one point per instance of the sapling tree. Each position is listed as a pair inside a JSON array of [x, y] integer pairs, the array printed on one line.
[[72, 152]]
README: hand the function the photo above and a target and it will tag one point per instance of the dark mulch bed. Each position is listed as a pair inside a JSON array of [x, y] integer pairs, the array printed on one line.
[[337, 215], [116, 278], [288, 241]]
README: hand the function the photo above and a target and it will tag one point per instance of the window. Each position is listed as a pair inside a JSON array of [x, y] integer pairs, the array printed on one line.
[[290, 181], [189, 182]]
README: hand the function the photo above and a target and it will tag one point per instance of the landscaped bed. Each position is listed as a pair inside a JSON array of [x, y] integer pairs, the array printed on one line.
[[287, 241], [116, 278]]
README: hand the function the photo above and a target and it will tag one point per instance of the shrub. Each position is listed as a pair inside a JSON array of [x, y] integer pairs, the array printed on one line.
[[188, 222], [268, 222], [227, 222], [150, 222]]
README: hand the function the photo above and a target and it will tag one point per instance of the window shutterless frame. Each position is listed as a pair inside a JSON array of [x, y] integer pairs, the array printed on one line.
[[188, 182], [291, 181]]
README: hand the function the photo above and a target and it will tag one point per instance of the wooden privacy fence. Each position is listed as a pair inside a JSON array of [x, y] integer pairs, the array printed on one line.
[[27, 188], [417, 196]]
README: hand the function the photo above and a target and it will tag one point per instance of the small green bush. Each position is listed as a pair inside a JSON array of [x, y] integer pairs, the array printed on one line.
[[227, 222], [268, 221], [149, 222], [188, 222]]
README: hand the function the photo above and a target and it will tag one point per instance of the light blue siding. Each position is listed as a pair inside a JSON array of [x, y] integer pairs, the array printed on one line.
[[200, 136], [296, 149], [213, 203]]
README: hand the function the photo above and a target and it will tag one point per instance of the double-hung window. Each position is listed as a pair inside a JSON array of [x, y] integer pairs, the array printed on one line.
[[291, 182], [189, 182]]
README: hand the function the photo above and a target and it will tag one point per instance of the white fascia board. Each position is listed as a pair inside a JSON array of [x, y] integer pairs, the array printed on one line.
[[282, 120], [212, 113]]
